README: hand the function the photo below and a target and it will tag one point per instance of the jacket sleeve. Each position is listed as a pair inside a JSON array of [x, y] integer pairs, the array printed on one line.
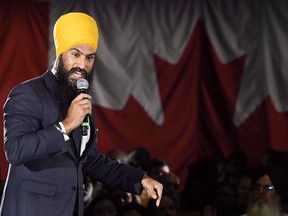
[[114, 174], [25, 136]]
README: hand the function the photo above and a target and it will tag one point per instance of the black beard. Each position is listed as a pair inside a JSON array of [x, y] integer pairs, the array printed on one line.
[[66, 87]]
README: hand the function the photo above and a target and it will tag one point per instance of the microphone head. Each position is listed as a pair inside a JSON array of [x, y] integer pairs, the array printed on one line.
[[82, 84]]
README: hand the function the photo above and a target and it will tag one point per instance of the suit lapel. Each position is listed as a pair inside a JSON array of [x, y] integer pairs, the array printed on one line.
[[76, 136], [51, 83]]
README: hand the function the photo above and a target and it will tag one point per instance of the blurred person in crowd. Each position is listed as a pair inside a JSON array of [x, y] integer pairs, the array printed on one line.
[[139, 158], [243, 194], [118, 155], [234, 167], [102, 205], [199, 186], [269, 191], [157, 166], [167, 207], [171, 186], [225, 199], [270, 157], [134, 209], [123, 198]]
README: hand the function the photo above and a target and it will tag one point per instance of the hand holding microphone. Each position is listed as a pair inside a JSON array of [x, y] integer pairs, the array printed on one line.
[[79, 110]]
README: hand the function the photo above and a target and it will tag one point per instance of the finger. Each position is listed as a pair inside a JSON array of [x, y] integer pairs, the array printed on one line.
[[86, 97], [159, 195], [158, 202], [150, 192], [83, 96]]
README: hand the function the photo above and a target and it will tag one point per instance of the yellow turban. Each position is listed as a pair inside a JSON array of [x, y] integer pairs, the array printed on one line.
[[73, 29]]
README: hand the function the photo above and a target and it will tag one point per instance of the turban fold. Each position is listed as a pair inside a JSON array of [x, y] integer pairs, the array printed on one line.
[[73, 29]]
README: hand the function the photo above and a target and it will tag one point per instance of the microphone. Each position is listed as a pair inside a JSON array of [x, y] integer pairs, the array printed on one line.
[[82, 87]]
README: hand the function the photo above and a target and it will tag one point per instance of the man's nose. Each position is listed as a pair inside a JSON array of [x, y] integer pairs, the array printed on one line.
[[81, 62]]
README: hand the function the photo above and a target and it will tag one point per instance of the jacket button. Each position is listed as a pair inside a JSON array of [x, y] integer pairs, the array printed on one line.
[[74, 188], [60, 151]]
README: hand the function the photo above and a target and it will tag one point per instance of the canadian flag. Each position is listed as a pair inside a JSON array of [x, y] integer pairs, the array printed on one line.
[[188, 80]]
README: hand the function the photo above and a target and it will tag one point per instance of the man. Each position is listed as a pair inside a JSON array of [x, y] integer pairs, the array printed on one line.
[[269, 192], [43, 141]]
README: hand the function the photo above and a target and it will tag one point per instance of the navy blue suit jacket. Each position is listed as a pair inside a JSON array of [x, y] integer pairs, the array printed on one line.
[[46, 172]]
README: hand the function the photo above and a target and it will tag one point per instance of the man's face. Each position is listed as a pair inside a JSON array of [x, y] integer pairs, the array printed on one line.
[[264, 190], [73, 65], [265, 200], [78, 63]]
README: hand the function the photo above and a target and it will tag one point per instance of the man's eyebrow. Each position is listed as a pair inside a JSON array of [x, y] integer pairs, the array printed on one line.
[[91, 54]]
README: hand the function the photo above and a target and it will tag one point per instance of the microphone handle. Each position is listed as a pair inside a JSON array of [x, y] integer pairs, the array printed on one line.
[[85, 125], [82, 91], [86, 122]]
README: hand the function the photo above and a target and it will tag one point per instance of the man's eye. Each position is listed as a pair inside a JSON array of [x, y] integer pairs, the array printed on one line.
[[76, 54], [90, 58]]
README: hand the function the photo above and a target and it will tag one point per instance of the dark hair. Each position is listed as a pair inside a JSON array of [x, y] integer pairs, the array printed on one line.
[[96, 200], [134, 206]]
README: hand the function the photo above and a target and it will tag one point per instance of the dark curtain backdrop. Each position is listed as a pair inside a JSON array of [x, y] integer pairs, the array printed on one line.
[[198, 96]]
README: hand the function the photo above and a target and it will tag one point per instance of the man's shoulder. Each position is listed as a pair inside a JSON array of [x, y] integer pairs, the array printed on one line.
[[35, 85], [35, 82]]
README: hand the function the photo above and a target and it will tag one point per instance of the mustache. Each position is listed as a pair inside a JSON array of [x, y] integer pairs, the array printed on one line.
[[78, 70]]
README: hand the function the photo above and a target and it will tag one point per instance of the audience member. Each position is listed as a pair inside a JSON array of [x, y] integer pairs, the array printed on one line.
[[225, 199], [270, 157], [270, 190], [234, 167], [88, 191], [102, 205], [139, 158], [118, 155], [278, 158], [171, 186], [134, 209], [199, 186], [243, 194], [2, 183], [157, 167], [167, 207], [209, 210]]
